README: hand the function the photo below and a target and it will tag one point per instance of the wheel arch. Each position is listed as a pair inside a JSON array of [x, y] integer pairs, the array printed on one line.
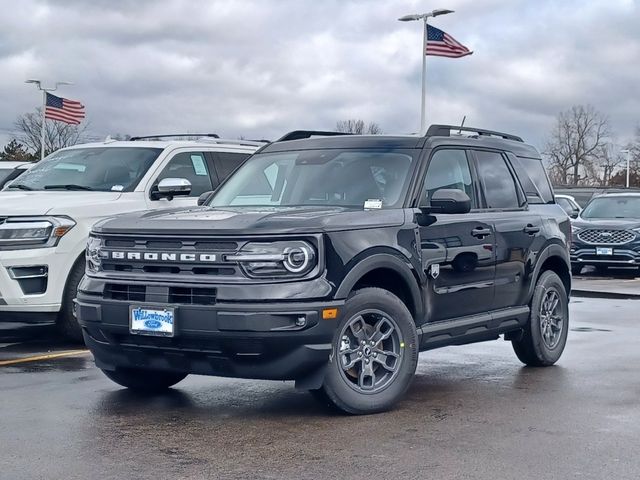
[[390, 273], [556, 259]]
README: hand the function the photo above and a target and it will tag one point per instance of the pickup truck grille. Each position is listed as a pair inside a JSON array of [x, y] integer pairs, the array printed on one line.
[[606, 237], [155, 258]]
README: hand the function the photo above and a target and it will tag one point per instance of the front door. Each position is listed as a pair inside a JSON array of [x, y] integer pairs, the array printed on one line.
[[458, 250]]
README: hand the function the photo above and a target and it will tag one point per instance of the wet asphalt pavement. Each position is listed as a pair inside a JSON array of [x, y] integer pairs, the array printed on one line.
[[473, 412]]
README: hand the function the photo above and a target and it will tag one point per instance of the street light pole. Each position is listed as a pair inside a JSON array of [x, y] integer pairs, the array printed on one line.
[[44, 91], [628, 152], [424, 17]]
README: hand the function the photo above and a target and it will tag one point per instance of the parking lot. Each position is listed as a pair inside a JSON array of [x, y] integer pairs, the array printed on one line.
[[472, 412]]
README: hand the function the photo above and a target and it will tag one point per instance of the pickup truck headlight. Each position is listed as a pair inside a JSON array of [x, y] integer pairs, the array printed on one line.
[[94, 254], [276, 259], [20, 233]]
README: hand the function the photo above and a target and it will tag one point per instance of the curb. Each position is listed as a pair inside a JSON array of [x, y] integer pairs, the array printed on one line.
[[577, 292]]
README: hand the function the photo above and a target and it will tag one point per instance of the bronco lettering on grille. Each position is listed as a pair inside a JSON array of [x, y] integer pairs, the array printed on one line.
[[165, 257]]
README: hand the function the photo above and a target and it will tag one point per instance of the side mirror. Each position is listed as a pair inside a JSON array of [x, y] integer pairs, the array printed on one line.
[[574, 214], [171, 187], [448, 200], [205, 197]]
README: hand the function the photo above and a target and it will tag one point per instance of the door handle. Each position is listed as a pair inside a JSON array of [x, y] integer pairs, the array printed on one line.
[[481, 232], [531, 229]]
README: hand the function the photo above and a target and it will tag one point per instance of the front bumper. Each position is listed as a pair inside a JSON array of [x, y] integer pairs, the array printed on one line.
[[13, 297], [242, 340], [622, 255]]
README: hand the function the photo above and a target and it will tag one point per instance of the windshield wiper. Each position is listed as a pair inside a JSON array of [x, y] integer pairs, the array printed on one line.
[[69, 186], [20, 186]]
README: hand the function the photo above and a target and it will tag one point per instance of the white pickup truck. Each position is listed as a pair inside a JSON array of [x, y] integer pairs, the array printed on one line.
[[46, 213]]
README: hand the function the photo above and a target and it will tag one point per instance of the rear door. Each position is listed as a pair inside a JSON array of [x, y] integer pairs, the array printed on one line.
[[517, 229], [457, 250]]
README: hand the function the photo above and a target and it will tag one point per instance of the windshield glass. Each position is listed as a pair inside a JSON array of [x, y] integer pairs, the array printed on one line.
[[613, 207], [116, 169], [346, 178]]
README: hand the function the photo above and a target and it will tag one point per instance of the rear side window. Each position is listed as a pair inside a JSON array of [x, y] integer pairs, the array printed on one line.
[[533, 178], [226, 162], [500, 188]]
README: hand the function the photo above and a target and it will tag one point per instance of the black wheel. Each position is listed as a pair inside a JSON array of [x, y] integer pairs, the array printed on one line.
[[576, 269], [545, 335], [144, 380], [67, 323], [375, 354]]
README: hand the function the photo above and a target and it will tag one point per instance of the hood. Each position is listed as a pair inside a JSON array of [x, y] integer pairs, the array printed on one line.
[[249, 221], [609, 223], [51, 203]]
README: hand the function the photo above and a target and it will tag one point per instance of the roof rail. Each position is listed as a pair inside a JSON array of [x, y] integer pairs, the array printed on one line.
[[445, 131], [248, 143], [148, 137], [300, 134]]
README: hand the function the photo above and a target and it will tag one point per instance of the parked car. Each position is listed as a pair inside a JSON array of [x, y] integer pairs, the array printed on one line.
[[46, 215], [11, 170], [607, 234], [333, 262], [569, 205]]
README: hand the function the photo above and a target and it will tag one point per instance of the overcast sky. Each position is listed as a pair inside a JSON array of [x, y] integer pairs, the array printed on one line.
[[260, 68]]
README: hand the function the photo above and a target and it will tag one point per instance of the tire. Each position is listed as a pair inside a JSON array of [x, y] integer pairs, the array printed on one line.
[[384, 323], [147, 381], [536, 349], [67, 323], [576, 269]]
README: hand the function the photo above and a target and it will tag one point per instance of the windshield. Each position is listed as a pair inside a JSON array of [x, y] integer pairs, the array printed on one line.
[[613, 207], [346, 178], [116, 169]]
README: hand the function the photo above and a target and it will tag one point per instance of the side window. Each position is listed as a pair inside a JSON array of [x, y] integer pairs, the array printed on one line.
[[193, 167], [500, 188], [533, 178], [448, 168], [228, 162]]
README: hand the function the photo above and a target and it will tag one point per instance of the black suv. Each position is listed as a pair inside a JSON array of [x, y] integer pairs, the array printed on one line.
[[333, 261], [607, 233]]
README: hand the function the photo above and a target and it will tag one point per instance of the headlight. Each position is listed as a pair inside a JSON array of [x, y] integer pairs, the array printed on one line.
[[19, 233], [94, 254], [276, 259]]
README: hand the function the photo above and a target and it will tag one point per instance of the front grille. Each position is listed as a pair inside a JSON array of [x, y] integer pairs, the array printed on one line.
[[151, 268], [172, 295], [606, 237]]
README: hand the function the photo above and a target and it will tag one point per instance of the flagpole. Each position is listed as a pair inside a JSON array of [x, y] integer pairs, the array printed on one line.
[[423, 108], [44, 120]]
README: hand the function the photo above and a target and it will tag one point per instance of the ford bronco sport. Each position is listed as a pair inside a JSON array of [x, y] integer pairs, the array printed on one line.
[[333, 261]]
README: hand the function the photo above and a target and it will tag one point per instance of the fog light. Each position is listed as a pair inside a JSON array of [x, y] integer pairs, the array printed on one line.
[[301, 321]]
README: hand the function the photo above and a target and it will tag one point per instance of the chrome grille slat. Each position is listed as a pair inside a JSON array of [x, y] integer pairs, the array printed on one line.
[[597, 236]]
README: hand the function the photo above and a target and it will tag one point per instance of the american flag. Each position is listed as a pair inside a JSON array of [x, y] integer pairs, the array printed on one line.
[[63, 110], [442, 44]]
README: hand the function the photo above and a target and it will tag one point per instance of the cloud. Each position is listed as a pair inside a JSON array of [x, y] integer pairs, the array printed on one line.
[[260, 68]]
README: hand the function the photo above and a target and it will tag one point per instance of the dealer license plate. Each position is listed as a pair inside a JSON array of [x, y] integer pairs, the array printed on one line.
[[157, 321], [604, 251]]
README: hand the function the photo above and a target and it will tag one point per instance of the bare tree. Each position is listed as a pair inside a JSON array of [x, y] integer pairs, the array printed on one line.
[[359, 127], [574, 144], [57, 134]]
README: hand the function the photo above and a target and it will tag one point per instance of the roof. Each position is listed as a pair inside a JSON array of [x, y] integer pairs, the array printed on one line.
[[635, 193], [218, 144], [399, 142], [11, 165]]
